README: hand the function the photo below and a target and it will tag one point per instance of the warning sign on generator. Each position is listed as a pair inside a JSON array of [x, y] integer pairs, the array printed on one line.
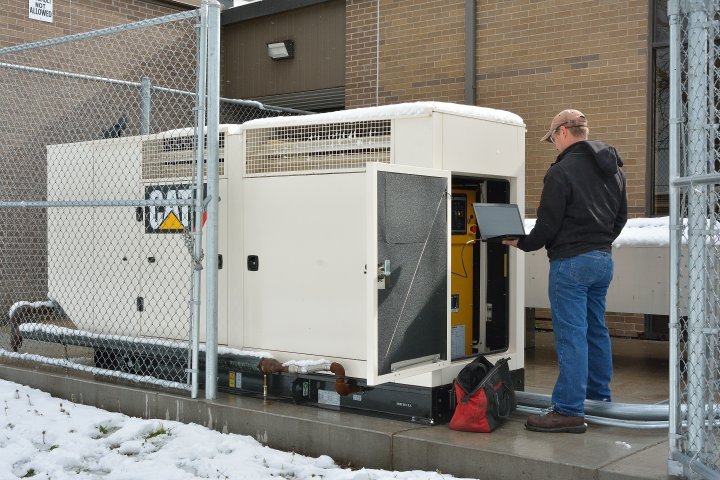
[[169, 218]]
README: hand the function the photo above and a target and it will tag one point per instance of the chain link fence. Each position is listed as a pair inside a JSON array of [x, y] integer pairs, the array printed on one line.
[[695, 243], [98, 187]]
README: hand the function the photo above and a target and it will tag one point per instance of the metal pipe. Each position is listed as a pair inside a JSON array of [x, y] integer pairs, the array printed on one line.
[[99, 203], [619, 411], [269, 366], [197, 232], [102, 32], [626, 414], [676, 225], [145, 106], [692, 464], [610, 422], [693, 180], [697, 215], [213, 191], [341, 387], [126, 83], [470, 49], [76, 76]]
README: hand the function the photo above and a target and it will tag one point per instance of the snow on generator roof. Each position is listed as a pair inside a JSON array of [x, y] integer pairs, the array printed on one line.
[[386, 112]]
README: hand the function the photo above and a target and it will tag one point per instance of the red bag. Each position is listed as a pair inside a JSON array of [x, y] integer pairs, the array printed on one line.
[[484, 396]]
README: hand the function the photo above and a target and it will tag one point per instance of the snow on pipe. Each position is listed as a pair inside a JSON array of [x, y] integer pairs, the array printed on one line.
[[270, 366]]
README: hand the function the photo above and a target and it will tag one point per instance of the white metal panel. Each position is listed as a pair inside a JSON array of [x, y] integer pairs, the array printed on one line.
[[640, 281], [413, 140], [117, 237], [232, 295], [483, 147], [223, 292], [308, 293], [371, 281], [71, 232], [168, 277]]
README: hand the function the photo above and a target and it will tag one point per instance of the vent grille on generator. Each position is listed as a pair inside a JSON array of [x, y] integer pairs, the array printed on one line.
[[303, 149], [172, 157]]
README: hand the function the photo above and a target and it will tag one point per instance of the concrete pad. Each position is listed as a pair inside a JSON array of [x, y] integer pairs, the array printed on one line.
[[512, 452], [352, 439], [641, 465]]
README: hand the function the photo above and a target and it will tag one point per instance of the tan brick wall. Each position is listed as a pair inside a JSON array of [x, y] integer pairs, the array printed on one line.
[[628, 325], [421, 52], [74, 17], [360, 53], [534, 58]]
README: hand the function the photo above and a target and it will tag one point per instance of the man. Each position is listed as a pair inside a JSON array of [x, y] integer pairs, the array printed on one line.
[[583, 208]]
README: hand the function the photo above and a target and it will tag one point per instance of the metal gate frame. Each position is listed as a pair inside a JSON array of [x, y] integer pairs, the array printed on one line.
[[694, 433]]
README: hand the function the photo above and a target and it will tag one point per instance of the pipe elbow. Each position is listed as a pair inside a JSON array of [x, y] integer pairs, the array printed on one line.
[[342, 388], [16, 339], [270, 365]]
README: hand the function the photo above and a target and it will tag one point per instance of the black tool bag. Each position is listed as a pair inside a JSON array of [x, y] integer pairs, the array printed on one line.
[[484, 396]]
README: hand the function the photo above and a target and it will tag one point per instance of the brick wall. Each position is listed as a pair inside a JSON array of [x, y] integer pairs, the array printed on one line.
[[627, 325], [360, 53], [421, 52], [534, 58], [75, 17]]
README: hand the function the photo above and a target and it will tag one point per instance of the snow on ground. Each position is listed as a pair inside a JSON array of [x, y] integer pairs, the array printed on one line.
[[49, 438]]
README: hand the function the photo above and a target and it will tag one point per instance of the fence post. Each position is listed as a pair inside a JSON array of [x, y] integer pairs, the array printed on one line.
[[697, 221], [676, 231], [145, 102], [199, 175], [213, 190]]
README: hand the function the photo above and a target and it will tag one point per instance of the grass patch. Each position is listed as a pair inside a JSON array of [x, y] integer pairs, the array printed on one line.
[[30, 473], [156, 433]]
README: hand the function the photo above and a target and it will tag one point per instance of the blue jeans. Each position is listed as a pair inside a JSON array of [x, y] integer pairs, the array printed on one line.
[[577, 289]]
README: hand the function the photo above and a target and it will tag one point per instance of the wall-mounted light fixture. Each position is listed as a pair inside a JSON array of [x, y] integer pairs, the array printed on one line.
[[281, 50]]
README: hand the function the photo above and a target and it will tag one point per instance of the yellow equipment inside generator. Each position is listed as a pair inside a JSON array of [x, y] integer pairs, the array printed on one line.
[[462, 268]]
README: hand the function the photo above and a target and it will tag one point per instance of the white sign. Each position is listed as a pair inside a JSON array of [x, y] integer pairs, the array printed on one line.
[[41, 10]]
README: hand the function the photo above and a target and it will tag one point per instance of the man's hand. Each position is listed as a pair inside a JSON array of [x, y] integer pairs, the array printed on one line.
[[510, 241]]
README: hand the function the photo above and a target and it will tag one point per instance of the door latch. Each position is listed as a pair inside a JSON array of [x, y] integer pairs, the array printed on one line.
[[384, 270], [382, 273]]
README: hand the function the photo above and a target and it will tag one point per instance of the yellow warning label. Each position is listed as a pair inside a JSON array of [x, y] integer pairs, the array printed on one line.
[[171, 222], [232, 380]]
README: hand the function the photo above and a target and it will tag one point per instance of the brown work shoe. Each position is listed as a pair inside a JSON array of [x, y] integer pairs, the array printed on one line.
[[554, 422]]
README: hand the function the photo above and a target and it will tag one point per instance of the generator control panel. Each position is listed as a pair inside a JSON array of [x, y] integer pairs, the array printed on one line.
[[459, 214]]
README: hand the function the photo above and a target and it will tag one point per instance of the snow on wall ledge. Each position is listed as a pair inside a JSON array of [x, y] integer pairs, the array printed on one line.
[[384, 112], [638, 232]]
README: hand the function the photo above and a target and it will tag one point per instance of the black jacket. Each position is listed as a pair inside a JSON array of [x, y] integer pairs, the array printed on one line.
[[583, 206]]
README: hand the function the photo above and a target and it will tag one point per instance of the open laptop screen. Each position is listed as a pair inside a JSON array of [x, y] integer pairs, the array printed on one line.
[[498, 221]]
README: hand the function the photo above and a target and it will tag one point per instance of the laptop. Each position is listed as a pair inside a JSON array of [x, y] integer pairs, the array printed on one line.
[[497, 221]]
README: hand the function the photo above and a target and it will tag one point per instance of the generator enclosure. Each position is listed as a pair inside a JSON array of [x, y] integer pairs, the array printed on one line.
[[335, 238]]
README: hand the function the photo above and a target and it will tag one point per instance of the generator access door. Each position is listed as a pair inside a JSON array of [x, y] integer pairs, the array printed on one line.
[[408, 271]]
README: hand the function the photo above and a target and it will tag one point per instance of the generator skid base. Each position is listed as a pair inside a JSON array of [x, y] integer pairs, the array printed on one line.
[[239, 375], [427, 405]]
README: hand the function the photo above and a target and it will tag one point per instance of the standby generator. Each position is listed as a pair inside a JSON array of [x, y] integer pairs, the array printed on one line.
[[346, 237]]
